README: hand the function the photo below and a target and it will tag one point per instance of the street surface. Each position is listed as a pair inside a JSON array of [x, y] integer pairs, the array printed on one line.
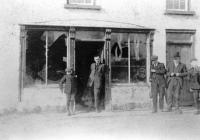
[[134, 125]]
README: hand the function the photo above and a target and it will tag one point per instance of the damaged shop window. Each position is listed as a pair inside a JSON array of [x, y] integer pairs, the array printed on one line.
[[44, 57]]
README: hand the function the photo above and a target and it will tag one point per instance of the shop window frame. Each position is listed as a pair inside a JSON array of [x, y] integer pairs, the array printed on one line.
[[149, 40]]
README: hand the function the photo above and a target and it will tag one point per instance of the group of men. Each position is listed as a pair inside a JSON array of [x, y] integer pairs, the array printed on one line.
[[167, 83]]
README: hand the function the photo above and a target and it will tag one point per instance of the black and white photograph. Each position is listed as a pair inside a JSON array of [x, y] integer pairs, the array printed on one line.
[[100, 69]]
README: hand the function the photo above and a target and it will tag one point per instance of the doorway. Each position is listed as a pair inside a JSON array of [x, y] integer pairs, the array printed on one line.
[[84, 57], [186, 97]]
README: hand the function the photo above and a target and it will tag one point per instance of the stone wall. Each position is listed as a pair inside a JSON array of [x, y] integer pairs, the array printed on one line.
[[130, 97]]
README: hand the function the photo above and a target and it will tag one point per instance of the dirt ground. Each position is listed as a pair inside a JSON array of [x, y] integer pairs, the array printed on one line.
[[136, 124]]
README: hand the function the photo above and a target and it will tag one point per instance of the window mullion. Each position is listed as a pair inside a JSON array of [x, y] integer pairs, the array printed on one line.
[[46, 54], [129, 60]]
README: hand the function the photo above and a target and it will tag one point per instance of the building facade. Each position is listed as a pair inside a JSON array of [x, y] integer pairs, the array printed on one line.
[[39, 39]]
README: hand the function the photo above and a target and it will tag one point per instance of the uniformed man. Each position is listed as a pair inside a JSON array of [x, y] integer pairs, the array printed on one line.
[[97, 80], [70, 89], [175, 73], [158, 83]]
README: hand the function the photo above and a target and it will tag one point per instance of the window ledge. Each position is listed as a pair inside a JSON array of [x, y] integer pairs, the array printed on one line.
[[172, 12], [87, 7], [141, 84]]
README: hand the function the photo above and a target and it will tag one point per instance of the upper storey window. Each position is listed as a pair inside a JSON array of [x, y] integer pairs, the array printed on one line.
[[82, 4], [178, 7]]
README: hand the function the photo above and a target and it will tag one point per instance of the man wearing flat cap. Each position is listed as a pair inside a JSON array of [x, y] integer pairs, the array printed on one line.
[[157, 82], [175, 73], [70, 89]]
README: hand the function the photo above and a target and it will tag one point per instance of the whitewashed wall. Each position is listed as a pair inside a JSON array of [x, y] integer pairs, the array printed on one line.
[[149, 13]]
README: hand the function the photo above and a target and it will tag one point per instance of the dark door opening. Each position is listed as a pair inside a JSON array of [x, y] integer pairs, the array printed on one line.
[[85, 52]]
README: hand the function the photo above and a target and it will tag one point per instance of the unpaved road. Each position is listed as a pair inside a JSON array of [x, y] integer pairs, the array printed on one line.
[[134, 125]]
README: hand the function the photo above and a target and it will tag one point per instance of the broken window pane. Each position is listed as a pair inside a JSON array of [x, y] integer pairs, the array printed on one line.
[[44, 65], [35, 58]]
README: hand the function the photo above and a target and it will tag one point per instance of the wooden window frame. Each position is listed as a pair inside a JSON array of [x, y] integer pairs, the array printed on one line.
[[179, 11], [87, 6], [93, 2], [187, 4], [191, 42], [148, 53]]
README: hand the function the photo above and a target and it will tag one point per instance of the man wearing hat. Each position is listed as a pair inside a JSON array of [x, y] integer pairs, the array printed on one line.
[[157, 83], [70, 89], [175, 73]]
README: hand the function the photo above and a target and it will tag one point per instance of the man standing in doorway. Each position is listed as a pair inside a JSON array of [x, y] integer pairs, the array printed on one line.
[[97, 80], [175, 73], [158, 83]]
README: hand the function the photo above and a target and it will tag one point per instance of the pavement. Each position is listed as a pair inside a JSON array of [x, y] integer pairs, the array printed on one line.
[[137, 124]]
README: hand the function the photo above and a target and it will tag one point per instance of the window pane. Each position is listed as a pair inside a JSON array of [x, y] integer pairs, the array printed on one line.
[[138, 57], [119, 57], [169, 4], [88, 1], [176, 4], [81, 2], [35, 59], [182, 4]]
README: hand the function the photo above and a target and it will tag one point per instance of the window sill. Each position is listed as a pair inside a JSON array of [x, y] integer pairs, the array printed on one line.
[[87, 7], [139, 84], [172, 12]]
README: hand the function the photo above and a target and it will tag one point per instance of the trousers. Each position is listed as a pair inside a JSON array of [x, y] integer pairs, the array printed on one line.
[[158, 90], [196, 99], [173, 91]]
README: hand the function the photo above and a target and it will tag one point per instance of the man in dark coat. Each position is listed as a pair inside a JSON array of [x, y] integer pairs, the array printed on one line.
[[175, 73], [97, 80], [194, 76], [70, 89], [158, 83]]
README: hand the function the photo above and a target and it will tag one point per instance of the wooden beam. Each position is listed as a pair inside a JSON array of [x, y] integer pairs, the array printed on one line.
[[129, 59], [46, 55], [71, 48], [148, 58], [108, 73], [22, 65]]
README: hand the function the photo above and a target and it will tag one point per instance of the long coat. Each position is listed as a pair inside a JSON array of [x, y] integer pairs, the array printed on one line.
[[181, 68], [194, 77], [70, 83], [158, 76], [97, 75]]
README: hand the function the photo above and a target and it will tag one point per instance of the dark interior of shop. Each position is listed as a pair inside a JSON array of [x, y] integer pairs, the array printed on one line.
[[36, 59], [85, 52]]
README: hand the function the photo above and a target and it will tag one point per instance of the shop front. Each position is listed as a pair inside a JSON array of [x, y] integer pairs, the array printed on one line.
[[47, 50]]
